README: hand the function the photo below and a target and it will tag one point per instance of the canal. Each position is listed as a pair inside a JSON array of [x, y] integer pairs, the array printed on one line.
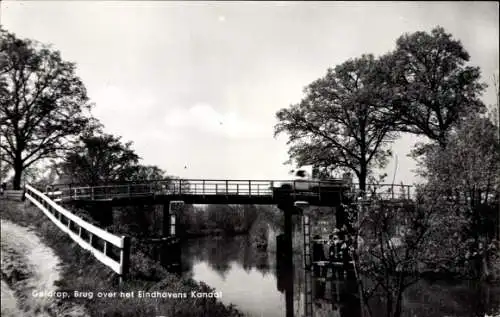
[[251, 279]]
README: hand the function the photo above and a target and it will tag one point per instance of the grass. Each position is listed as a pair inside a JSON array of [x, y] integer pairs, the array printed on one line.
[[82, 272]]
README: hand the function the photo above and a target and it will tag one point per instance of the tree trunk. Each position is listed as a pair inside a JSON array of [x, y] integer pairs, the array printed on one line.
[[399, 303], [363, 174], [388, 304], [18, 172]]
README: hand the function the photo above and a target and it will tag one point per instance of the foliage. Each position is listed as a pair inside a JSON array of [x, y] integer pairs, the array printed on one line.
[[470, 162], [225, 219], [148, 172], [343, 121], [99, 159], [42, 102], [467, 173], [400, 243], [435, 87]]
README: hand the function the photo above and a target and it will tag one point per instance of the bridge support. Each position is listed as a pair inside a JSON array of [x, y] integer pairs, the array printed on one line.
[[170, 248], [170, 211], [286, 241], [285, 253], [302, 206]]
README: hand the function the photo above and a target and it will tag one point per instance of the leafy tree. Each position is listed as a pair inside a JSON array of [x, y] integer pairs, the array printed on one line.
[[434, 86], [148, 172], [100, 159], [42, 102], [466, 172], [343, 120], [470, 163]]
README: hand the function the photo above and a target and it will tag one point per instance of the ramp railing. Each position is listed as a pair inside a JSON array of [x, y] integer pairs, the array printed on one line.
[[113, 251]]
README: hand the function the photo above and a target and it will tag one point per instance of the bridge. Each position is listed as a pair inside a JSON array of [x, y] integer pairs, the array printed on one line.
[[208, 191], [114, 251]]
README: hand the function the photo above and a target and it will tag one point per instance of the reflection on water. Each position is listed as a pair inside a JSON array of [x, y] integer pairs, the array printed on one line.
[[258, 286], [251, 290]]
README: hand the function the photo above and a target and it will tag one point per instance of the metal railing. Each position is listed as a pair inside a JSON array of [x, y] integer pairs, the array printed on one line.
[[85, 234], [205, 187], [385, 191]]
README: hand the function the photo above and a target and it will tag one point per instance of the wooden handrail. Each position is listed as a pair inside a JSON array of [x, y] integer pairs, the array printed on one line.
[[122, 243]]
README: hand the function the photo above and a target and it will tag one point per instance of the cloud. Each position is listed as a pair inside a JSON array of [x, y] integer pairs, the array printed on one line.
[[116, 101], [204, 118]]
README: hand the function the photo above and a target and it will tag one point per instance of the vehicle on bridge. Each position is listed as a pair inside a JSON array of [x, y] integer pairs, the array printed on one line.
[[303, 182]]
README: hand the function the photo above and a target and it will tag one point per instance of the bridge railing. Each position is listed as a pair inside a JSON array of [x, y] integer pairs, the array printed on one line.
[[111, 250], [227, 187], [386, 191], [190, 187]]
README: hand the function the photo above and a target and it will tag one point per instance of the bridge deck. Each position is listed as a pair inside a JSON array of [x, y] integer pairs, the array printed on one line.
[[200, 191]]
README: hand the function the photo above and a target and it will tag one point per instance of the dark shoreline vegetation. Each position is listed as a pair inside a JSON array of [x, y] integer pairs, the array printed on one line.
[[82, 272]]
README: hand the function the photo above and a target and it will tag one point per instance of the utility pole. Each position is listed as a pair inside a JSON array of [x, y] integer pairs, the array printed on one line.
[[1, 158], [497, 91], [498, 105]]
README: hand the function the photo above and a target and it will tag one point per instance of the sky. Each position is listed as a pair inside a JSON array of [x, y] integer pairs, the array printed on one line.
[[196, 85]]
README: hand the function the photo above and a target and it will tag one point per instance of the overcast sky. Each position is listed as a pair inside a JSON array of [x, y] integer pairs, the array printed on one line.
[[197, 85]]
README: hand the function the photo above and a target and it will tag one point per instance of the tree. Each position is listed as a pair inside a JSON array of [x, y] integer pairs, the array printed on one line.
[[148, 172], [343, 122], [434, 87], [470, 162], [400, 244], [42, 102], [466, 172], [99, 159], [494, 110]]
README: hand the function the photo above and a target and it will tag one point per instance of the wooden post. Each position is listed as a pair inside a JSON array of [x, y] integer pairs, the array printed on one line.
[[175, 207], [125, 258], [172, 224], [308, 300], [165, 228]]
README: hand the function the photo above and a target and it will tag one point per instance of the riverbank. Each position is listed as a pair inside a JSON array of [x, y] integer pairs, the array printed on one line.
[[81, 272]]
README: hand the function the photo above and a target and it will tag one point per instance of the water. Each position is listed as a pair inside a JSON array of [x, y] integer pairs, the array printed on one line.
[[251, 280]]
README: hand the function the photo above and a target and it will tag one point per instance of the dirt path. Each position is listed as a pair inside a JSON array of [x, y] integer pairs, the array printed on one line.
[[9, 302], [29, 267]]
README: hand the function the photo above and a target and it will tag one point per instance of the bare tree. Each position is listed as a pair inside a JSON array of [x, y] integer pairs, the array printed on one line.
[[397, 244]]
